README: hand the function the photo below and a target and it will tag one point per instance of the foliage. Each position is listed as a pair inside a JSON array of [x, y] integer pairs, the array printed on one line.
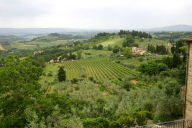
[[61, 74], [116, 49], [100, 37], [74, 81], [159, 49], [125, 121], [134, 34], [152, 67], [79, 54], [127, 52], [127, 85], [19, 89], [129, 42], [105, 91], [171, 36], [96, 123], [109, 47], [99, 47], [56, 36]]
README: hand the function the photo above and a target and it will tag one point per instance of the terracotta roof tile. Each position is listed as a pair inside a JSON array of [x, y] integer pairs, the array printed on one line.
[[188, 39]]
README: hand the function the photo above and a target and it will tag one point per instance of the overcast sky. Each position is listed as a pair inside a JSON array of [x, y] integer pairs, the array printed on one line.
[[125, 14]]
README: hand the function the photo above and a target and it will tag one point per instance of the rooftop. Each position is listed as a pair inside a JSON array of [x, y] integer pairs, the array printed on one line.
[[188, 39]]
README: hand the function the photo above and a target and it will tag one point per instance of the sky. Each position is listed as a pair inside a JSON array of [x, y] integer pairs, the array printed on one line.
[[94, 14]]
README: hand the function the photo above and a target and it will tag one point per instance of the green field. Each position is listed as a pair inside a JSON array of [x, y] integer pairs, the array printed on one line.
[[95, 53], [98, 68], [144, 43], [36, 45], [116, 40]]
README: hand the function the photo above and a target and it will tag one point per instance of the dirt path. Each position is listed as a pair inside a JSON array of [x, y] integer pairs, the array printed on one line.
[[49, 90], [2, 48]]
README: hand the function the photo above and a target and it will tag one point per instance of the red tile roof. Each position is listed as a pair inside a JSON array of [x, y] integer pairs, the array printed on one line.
[[188, 39]]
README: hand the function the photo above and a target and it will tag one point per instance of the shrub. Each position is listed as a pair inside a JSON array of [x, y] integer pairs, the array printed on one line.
[[116, 49], [127, 85], [100, 47], [141, 117], [152, 67], [125, 121], [96, 123], [91, 78], [50, 74], [74, 80]]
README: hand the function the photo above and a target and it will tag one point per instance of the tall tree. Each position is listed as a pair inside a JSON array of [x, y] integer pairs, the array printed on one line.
[[129, 42], [61, 74], [19, 89], [79, 54], [100, 47], [127, 52]]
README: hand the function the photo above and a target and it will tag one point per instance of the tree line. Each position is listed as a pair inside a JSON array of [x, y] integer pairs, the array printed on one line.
[[135, 34], [158, 49]]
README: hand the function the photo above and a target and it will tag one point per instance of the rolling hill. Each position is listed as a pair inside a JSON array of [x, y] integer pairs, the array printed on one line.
[[174, 28]]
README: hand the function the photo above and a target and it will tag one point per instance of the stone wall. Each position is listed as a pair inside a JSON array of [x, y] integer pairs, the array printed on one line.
[[188, 111]]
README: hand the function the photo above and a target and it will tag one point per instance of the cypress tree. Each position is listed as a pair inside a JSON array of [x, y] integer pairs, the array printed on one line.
[[176, 60], [61, 74]]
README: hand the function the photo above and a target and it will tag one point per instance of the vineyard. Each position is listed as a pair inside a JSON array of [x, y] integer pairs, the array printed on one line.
[[98, 68]]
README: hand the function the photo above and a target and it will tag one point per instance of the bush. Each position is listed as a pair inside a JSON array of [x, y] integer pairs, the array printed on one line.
[[127, 85], [141, 117], [100, 47], [125, 121], [152, 67], [50, 74], [96, 123], [91, 78], [127, 52], [74, 80], [116, 49]]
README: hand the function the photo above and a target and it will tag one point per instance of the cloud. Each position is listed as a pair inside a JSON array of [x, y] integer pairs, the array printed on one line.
[[22, 9], [94, 13]]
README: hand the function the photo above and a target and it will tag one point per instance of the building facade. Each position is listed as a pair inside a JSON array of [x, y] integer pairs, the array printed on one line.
[[188, 98]]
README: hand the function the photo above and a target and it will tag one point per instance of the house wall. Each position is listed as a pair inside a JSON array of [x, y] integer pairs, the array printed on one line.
[[188, 110]]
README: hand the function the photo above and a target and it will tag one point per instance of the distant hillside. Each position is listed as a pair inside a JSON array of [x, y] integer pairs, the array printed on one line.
[[10, 38], [45, 31], [56, 36], [172, 35], [175, 28]]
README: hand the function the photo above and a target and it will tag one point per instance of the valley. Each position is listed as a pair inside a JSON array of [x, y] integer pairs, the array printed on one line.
[[109, 80]]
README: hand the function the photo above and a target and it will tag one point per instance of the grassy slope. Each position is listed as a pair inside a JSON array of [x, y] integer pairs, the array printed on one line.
[[41, 42], [36, 45], [90, 57], [116, 40], [143, 44], [95, 53]]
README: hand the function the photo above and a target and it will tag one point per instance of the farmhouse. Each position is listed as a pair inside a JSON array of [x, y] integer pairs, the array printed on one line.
[[38, 52], [137, 51]]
